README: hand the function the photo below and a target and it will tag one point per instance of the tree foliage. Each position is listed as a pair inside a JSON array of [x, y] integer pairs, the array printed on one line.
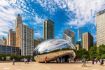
[[93, 52], [101, 51], [82, 53]]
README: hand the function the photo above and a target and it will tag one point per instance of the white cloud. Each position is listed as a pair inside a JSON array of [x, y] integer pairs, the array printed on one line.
[[3, 3], [84, 10], [7, 17], [8, 11], [39, 20], [37, 35]]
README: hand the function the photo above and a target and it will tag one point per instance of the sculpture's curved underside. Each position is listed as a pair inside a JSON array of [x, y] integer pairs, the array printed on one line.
[[47, 48], [54, 55]]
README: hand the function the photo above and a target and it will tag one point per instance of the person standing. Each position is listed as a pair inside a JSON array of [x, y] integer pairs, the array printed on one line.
[[13, 61], [46, 59], [28, 60], [93, 61], [96, 60], [84, 62], [102, 62], [25, 60]]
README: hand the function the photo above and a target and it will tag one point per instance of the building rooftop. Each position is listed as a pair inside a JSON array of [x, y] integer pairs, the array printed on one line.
[[49, 20], [101, 12]]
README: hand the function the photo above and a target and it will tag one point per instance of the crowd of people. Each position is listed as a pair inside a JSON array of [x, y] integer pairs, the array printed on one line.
[[94, 61], [101, 61], [26, 61]]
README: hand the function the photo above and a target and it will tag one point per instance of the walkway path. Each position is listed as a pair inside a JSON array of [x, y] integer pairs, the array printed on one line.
[[49, 66]]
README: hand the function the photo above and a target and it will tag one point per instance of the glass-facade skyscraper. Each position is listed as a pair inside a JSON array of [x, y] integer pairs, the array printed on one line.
[[87, 40], [48, 29]]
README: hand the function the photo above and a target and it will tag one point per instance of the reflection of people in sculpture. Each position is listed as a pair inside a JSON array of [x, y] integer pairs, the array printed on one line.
[[46, 59]]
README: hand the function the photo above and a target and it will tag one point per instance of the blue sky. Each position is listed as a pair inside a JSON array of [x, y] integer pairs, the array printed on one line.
[[66, 14]]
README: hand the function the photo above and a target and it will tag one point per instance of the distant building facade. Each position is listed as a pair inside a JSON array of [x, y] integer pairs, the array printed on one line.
[[69, 35], [48, 29], [37, 41], [78, 45], [9, 50], [24, 37], [100, 26], [3, 41], [87, 40], [11, 41]]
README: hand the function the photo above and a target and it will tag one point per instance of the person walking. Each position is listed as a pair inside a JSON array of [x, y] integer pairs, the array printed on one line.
[[84, 62], [25, 60], [93, 61], [102, 62], [46, 59], [96, 60], [13, 61], [28, 60]]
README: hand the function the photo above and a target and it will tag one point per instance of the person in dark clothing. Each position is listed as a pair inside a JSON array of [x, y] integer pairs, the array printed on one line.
[[101, 62], [96, 61], [92, 61]]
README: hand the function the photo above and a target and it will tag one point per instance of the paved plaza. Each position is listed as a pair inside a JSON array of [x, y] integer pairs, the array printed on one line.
[[49, 66]]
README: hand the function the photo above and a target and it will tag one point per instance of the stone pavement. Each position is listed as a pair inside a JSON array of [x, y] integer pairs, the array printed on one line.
[[49, 66]]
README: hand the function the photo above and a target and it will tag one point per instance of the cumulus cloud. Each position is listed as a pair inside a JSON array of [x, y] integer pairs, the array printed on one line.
[[39, 20], [7, 17], [84, 10], [8, 11], [37, 34]]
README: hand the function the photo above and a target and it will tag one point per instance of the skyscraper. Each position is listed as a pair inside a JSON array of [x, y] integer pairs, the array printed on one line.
[[100, 26], [3, 41], [24, 37], [37, 41], [11, 41], [87, 40], [78, 45], [48, 29], [69, 35]]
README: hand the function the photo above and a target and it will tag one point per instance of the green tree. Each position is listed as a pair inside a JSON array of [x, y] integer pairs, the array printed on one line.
[[103, 56], [101, 51], [82, 53], [93, 52]]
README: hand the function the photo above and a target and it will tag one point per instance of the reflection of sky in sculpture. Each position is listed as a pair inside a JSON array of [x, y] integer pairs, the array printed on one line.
[[54, 44]]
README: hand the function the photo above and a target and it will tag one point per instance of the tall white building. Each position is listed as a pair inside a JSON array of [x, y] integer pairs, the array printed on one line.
[[24, 37], [100, 21]]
